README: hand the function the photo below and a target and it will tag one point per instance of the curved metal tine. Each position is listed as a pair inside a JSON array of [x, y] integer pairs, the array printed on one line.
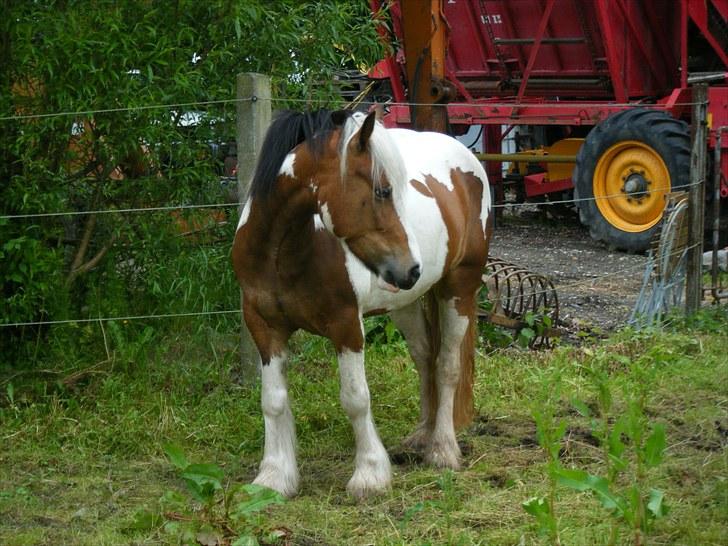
[[512, 289]]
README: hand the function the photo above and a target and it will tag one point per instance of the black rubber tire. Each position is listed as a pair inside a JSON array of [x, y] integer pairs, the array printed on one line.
[[669, 137]]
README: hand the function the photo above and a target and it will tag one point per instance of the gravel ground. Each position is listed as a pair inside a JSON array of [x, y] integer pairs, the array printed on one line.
[[597, 287]]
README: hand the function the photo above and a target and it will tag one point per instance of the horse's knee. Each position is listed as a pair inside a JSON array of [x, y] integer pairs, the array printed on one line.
[[274, 401], [355, 399]]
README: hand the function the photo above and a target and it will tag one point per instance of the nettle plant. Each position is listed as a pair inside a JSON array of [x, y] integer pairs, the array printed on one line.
[[210, 511]]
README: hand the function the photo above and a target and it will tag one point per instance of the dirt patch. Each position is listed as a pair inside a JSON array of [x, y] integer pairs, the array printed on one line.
[[597, 287]]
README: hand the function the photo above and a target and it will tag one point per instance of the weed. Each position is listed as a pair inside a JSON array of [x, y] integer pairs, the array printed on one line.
[[210, 512], [550, 433], [630, 433]]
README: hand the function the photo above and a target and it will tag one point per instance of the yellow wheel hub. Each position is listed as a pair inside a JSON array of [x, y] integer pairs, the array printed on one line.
[[630, 183]]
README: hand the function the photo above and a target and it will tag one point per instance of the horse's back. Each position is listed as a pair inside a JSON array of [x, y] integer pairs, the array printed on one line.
[[440, 167], [435, 154]]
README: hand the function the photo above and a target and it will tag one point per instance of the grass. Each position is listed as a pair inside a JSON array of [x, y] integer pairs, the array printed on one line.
[[81, 446]]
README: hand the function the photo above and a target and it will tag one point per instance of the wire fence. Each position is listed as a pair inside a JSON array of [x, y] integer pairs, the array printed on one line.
[[574, 200], [228, 204], [571, 285], [316, 102]]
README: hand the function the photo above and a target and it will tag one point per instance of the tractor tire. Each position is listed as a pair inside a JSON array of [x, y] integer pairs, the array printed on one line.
[[626, 166]]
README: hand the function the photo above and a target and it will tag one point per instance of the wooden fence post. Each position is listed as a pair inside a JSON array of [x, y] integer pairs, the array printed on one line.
[[696, 217], [253, 119]]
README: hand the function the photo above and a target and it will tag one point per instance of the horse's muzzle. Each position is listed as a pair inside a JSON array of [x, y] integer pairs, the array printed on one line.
[[404, 279]]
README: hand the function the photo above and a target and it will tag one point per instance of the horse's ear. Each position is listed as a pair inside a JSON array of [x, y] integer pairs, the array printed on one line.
[[339, 117], [366, 130], [379, 111]]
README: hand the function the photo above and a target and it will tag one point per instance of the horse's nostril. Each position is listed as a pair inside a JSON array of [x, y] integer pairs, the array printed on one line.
[[415, 272]]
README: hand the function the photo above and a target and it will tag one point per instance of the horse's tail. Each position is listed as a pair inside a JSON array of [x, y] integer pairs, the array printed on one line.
[[432, 321], [464, 409]]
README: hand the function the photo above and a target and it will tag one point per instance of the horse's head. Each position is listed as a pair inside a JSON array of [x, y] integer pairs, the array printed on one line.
[[361, 201]]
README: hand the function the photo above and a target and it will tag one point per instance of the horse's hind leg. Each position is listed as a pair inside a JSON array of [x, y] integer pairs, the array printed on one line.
[[412, 323], [372, 473], [443, 449], [278, 470]]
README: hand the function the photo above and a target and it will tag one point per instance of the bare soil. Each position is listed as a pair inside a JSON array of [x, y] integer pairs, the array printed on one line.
[[597, 287]]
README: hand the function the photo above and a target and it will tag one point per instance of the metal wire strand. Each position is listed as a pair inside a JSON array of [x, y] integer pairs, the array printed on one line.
[[107, 319], [320, 102], [226, 205]]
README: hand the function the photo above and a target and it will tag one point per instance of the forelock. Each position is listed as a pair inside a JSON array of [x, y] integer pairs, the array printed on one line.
[[386, 159]]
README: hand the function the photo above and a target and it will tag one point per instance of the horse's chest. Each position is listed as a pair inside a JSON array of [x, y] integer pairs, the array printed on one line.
[[308, 293]]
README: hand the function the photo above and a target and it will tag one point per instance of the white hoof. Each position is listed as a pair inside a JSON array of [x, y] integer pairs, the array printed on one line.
[[286, 483], [443, 455], [371, 478]]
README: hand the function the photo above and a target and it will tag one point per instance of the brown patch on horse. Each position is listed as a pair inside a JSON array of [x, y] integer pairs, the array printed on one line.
[[458, 207], [420, 187]]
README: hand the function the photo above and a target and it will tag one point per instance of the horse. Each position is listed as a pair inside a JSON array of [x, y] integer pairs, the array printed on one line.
[[345, 218]]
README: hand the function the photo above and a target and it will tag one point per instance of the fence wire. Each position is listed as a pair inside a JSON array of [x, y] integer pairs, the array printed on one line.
[[583, 282], [237, 204], [322, 102]]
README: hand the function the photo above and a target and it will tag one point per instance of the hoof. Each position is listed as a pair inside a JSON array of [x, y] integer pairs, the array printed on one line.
[[274, 478], [443, 456], [370, 479]]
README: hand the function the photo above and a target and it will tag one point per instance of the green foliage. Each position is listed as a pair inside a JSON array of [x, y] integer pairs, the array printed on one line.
[[84, 445], [381, 331], [630, 443], [227, 513], [549, 433], [121, 61]]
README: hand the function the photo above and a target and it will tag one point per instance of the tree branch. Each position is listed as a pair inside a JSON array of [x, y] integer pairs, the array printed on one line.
[[93, 262]]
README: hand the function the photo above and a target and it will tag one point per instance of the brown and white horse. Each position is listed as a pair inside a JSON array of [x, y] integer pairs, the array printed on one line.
[[345, 219]]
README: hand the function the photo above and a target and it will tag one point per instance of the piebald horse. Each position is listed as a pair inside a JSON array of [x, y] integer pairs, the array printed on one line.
[[344, 219]]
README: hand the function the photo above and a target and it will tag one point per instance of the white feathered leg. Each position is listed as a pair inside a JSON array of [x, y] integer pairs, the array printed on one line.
[[373, 472], [278, 470]]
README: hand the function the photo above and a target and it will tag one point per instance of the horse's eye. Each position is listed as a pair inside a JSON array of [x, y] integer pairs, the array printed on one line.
[[383, 192]]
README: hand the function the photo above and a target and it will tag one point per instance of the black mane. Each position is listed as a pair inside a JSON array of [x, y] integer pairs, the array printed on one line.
[[287, 130]]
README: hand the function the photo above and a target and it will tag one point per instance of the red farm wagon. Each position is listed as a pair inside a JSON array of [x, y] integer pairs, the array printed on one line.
[[594, 96]]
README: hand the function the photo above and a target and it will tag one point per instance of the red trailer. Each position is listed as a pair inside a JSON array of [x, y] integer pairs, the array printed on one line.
[[602, 85]]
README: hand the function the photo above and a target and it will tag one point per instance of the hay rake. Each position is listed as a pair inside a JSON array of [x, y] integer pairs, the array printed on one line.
[[515, 298]]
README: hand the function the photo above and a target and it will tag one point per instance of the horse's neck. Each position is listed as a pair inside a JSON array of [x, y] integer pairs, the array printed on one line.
[[283, 225]]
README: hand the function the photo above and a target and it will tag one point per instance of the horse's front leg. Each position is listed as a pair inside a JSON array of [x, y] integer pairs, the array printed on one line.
[[278, 470], [373, 472]]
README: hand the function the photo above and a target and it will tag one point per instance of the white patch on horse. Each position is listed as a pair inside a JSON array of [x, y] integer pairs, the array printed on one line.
[[326, 217], [373, 472], [245, 214], [437, 155], [318, 223], [287, 165], [410, 320], [278, 470]]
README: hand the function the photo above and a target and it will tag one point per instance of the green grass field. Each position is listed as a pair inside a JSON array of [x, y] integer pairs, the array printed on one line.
[[81, 444]]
